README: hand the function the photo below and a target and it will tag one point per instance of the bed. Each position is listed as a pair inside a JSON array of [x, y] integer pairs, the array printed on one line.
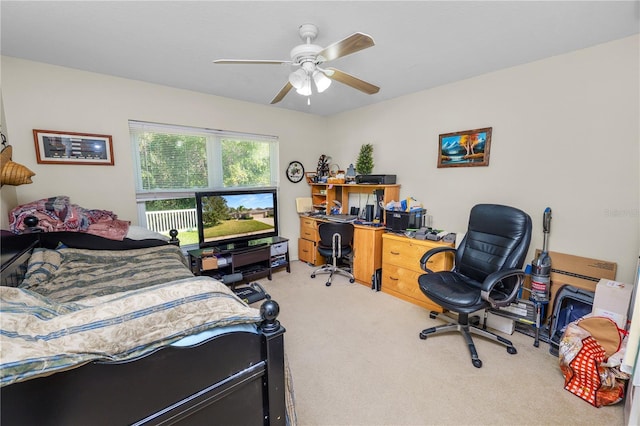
[[98, 331]]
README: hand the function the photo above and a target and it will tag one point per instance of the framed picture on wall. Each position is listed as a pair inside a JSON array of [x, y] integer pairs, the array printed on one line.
[[54, 147], [467, 148]]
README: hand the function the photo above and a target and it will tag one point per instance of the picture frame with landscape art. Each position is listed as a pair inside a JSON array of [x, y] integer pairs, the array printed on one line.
[[468, 148], [55, 147]]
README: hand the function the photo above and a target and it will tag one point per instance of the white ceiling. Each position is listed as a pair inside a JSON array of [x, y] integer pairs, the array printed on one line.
[[419, 44]]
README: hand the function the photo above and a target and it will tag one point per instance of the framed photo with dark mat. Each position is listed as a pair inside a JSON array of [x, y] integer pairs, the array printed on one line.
[[54, 147]]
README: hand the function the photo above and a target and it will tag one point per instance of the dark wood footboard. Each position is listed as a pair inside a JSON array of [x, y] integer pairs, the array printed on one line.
[[234, 378]]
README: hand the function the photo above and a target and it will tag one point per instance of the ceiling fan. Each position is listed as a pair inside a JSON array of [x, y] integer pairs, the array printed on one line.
[[308, 57]]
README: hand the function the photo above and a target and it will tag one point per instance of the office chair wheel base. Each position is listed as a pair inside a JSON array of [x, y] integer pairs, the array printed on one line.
[[352, 280], [433, 315], [476, 363], [512, 350], [313, 275], [423, 336], [328, 283]]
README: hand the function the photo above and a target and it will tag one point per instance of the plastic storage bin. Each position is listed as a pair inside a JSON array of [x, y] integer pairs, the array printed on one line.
[[401, 221]]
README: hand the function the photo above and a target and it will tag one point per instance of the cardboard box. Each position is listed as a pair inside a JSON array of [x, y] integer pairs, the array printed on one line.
[[499, 323], [209, 263], [612, 300], [580, 272], [495, 322]]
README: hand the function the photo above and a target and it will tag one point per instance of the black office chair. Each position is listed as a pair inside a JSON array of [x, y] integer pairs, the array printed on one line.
[[487, 272], [335, 244]]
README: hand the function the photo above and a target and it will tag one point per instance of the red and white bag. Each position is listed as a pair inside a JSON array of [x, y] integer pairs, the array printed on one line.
[[590, 353]]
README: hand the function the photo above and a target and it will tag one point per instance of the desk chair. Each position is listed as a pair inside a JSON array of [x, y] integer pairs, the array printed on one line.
[[335, 243], [487, 272]]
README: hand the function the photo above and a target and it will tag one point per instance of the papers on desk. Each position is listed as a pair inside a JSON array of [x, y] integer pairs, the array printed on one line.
[[304, 205], [340, 217]]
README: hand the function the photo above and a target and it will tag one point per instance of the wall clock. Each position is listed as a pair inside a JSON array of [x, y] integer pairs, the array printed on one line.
[[295, 171]]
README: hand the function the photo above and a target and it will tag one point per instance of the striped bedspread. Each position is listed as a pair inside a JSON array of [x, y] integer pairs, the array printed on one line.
[[67, 274], [46, 325]]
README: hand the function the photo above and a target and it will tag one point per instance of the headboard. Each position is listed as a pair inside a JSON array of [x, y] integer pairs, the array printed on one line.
[[15, 252], [16, 249]]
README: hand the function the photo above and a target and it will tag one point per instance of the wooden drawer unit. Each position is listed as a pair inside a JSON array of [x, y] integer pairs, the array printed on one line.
[[401, 280], [308, 242], [309, 229], [307, 251], [367, 253], [401, 267]]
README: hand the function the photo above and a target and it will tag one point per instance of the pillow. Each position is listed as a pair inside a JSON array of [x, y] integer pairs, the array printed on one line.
[[43, 263], [140, 233]]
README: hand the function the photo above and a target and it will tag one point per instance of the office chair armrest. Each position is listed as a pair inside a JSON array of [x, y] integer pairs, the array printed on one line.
[[500, 291], [425, 257]]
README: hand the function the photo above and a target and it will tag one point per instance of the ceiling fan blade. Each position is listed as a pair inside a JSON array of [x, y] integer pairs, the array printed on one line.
[[352, 81], [282, 93], [250, 61], [352, 44]]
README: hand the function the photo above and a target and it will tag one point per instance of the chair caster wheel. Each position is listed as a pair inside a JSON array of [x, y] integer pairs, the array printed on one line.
[[423, 336], [313, 275], [511, 350], [476, 363], [351, 280], [433, 315], [328, 283]]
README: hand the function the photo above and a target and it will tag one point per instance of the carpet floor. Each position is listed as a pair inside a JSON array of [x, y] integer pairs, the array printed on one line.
[[356, 359]]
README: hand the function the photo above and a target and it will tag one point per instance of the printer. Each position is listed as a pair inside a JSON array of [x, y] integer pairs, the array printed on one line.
[[376, 179]]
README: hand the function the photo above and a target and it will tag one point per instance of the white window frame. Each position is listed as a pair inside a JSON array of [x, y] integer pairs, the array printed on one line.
[[214, 161]]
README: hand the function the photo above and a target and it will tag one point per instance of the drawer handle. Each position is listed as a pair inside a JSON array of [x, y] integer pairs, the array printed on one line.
[[395, 253], [394, 278], [305, 251]]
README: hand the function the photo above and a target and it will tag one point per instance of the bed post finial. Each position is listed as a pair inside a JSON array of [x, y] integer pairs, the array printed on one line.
[[174, 240], [269, 311], [32, 224]]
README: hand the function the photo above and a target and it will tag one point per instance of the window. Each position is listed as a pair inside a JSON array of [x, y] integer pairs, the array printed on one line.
[[173, 162]]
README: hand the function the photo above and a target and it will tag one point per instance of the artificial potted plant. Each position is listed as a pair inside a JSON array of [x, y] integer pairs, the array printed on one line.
[[364, 164]]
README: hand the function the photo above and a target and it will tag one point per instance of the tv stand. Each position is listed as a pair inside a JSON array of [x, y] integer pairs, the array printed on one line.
[[257, 259]]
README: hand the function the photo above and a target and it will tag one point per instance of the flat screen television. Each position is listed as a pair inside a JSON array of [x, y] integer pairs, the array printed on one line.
[[236, 218]]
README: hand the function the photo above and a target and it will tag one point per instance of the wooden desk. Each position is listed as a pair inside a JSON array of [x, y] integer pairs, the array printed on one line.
[[324, 195], [401, 267], [367, 248]]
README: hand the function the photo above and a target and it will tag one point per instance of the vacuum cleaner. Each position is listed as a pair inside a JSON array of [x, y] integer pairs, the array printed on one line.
[[541, 265], [531, 311]]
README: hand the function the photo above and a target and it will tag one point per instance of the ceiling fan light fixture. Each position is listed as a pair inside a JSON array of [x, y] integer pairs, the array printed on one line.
[[297, 78], [322, 81], [305, 90]]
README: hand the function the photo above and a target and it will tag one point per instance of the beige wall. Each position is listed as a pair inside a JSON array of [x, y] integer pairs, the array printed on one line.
[[565, 135], [8, 197], [41, 96]]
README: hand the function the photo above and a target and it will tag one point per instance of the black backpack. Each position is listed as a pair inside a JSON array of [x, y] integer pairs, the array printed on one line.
[[570, 304]]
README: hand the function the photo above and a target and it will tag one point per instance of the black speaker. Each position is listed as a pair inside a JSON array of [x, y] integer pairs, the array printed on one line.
[[379, 194], [368, 213], [355, 211]]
